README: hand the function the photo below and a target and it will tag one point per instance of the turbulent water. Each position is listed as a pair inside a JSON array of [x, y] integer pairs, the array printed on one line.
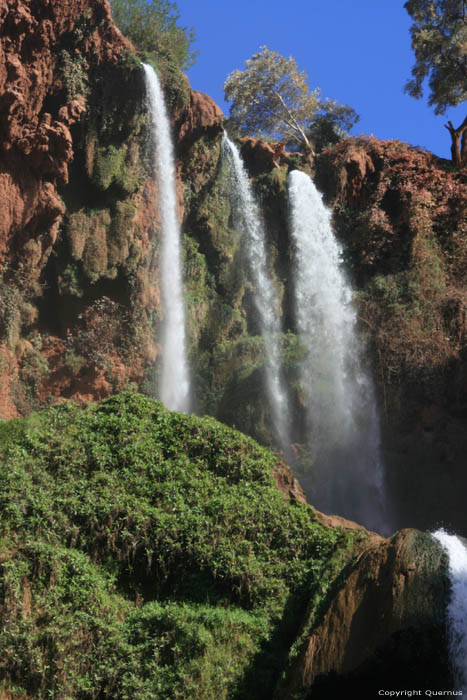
[[248, 215], [174, 383], [457, 607], [342, 416]]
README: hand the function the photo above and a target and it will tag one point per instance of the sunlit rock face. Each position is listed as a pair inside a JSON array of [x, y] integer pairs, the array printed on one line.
[[78, 212]]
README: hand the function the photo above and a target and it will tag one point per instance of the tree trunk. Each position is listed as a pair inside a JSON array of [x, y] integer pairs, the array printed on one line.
[[464, 148], [458, 142], [309, 154]]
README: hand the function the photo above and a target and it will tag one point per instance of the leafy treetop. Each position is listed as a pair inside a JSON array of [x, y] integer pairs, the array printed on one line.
[[271, 98], [439, 41], [152, 26]]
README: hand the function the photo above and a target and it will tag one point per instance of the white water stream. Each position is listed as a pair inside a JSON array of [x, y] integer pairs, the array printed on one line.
[[174, 383], [247, 212], [457, 607], [347, 475]]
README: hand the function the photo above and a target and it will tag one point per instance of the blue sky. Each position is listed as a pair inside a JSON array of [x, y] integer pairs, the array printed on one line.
[[356, 51]]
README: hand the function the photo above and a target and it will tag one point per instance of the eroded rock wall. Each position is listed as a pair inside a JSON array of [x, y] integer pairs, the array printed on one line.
[[79, 225], [401, 215], [80, 308], [46, 51]]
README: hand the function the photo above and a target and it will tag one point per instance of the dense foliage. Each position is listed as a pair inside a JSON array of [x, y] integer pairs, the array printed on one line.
[[147, 554], [439, 39], [153, 28], [271, 98]]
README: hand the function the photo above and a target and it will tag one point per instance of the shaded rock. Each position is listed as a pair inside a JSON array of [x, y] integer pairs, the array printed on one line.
[[383, 622], [401, 214], [260, 156], [334, 521]]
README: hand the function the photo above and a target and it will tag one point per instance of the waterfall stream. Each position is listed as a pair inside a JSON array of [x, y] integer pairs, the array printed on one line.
[[347, 474], [247, 212], [457, 607], [174, 384]]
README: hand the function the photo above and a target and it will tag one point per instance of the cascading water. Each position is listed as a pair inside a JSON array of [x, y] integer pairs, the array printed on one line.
[[249, 218], [174, 385], [347, 475], [457, 607]]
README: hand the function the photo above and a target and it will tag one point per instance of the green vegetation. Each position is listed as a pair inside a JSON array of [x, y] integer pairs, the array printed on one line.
[[271, 98], [10, 312], [146, 554], [101, 240], [439, 38], [74, 74], [16, 310], [153, 28]]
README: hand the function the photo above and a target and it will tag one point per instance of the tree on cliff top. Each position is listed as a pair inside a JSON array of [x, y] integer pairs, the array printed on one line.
[[439, 41], [152, 26], [271, 98]]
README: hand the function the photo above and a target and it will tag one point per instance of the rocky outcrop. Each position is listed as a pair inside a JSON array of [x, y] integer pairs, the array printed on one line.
[[37, 57], [289, 485], [201, 116], [382, 625], [378, 189], [261, 156], [46, 49]]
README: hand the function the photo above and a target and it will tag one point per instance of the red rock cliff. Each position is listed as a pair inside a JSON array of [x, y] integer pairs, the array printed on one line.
[[36, 145], [68, 102]]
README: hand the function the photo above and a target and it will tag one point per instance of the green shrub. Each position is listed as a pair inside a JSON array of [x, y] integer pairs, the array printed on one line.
[[147, 555], [152, 27], [74, 74], [11, 300], [108, 165]]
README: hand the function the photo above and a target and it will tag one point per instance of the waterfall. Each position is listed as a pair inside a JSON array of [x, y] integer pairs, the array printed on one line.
[[174, 384], [248, 215], [457, 607], [343, 425]]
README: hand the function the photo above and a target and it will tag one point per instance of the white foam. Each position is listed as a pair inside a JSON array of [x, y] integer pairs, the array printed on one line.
[[457, 606]]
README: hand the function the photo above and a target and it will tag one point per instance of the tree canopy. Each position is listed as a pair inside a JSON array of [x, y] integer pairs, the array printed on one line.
[[152, 26], [439, 41], [271, 98]]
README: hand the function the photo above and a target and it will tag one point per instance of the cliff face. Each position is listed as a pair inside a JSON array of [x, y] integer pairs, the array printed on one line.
[[402, 217], [79, 303], [80, 308], [46, 49], [80, 315]]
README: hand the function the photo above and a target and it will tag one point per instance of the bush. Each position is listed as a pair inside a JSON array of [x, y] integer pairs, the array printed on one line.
[[146, 554], [153, 29]]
